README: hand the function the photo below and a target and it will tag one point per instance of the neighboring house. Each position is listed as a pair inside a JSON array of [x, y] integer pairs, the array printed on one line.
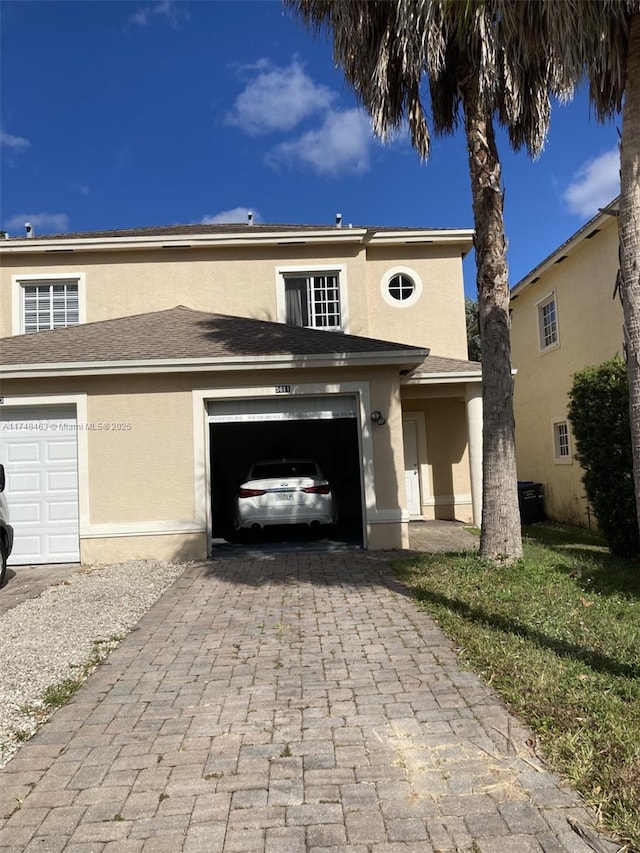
[[563, 317], [144, 370]]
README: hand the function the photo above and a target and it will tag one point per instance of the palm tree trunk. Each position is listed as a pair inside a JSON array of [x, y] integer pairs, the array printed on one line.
[[501, 536], [629, 227]]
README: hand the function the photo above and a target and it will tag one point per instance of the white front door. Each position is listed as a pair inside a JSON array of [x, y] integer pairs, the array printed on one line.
[[411, 466], [38, 447]]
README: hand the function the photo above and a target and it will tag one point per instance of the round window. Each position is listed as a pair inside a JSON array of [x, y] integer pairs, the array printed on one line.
[[401, 287]]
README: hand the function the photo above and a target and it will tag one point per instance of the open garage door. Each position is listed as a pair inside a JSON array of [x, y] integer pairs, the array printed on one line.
[[38, 446], [323, 428]]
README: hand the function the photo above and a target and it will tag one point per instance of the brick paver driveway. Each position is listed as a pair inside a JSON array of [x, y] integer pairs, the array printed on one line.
[[279, 705]]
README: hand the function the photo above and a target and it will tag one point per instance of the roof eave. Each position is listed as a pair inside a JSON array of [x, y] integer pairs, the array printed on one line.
[[401, 358], [463, 376], [458, 236], [180, 241], [62, 245], [601, 219]]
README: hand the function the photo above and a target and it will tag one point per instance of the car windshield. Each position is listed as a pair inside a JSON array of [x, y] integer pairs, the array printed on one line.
[[268, 470]]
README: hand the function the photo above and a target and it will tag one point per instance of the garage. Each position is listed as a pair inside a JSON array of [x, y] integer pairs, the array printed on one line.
[[40, 454], [323, 428]]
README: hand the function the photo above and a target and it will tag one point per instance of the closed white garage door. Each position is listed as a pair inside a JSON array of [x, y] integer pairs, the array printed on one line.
[[39, 449]]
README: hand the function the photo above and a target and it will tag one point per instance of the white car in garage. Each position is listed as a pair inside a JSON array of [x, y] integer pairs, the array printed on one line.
[[283, 492]]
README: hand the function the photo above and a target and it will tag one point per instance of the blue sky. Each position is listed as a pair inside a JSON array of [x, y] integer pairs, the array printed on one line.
[[124, 114]]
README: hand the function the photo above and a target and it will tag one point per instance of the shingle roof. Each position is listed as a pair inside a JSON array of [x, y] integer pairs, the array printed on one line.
[[436, 364], [182, 333]]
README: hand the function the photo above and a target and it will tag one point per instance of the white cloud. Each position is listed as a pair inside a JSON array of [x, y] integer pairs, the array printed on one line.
[[594, 185], [79, 187], [236, 214], [43, 223], [8, 140], [278, 99], [172, 12], [341, 145]]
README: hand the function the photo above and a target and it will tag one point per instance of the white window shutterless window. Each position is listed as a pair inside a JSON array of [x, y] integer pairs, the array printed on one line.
[[561, 442], [47, 302], [401, 287], [548, 322], [312, 299]]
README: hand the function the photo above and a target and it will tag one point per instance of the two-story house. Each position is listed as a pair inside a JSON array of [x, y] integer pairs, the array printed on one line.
[[563, 317], [144, 371]]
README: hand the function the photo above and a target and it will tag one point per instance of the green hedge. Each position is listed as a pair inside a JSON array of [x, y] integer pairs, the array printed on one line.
[[599, 416]]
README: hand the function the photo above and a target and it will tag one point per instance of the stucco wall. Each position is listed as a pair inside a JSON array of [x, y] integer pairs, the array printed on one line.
[[242, 281], [590, 331], [141, 474], [437, 319], [443, 454]]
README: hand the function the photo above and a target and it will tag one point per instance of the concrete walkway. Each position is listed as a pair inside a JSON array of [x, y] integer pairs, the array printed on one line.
[[293, 704]]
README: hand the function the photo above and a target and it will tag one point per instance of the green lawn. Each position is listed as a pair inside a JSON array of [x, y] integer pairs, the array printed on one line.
[[558, 637]]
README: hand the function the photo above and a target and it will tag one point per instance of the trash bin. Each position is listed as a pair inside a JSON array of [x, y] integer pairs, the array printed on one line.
[[531, 501]]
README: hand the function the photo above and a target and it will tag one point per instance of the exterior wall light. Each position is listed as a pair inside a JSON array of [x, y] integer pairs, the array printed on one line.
[[378, 418]]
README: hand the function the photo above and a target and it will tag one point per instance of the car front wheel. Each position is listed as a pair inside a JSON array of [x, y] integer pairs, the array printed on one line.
[[4, 554]]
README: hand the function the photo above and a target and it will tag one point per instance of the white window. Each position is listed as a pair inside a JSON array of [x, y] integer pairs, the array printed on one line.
[[312, 299], [401, 287], [548, 322], [47, 302], [561, 442]]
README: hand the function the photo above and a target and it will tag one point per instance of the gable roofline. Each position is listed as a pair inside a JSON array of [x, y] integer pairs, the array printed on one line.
[[225, 235], [590, 229]]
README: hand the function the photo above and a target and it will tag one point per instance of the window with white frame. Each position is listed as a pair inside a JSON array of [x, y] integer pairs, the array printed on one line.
[[548, 322], [561, 441], [401, 287], [311, 299], [47, 302]]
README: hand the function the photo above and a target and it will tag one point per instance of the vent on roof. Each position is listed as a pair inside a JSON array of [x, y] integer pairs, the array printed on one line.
[[249, 217], [561, 259], [593, 234], [29, 229], [338, 220]]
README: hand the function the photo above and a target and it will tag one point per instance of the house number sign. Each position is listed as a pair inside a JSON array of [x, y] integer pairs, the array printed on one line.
[[283, 389]]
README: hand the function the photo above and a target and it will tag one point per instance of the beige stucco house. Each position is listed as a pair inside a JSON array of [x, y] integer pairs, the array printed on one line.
[[144, 370], [564, 317]]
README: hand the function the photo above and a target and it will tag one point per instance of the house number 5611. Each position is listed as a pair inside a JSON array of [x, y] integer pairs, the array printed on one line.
[[283, 389]]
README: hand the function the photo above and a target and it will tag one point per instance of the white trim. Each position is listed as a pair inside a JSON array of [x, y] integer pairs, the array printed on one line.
[[409, 273], [228, 363], [425, 472], [20, 281], [309, 269], [452, 235], [345, 234], [561, 460], [80, 402], [439, 378], [201, 456], [540, 304]]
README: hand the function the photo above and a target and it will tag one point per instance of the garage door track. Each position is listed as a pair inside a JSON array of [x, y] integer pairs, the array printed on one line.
[[293, 704]]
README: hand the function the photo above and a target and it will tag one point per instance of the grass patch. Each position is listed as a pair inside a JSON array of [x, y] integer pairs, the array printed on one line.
[[558, 637], [34, 714]]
